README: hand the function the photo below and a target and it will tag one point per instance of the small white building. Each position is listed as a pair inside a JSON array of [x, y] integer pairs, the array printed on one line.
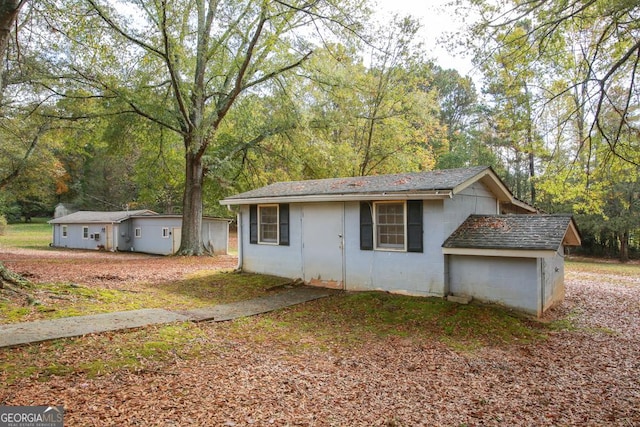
[[135, 231], [389, 232]]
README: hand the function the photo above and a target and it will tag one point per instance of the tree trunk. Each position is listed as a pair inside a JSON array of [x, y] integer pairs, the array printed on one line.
[[624, 246], [191, 242], [8, 277], [532, 175], [8, 14]]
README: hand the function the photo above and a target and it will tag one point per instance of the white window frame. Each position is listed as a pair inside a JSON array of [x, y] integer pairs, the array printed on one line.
[[137, 232], [260, 224], [165, 233], [376, 238], [85, 232], [64, 232]]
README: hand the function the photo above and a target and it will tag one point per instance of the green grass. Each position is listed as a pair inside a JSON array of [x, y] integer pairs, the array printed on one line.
[[335, 324], [34, 235], [57, 300], [601, 267], [355, 319], [97, 355]]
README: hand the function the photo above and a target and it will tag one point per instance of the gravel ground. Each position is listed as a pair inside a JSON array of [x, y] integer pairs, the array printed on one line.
[[588, 375]]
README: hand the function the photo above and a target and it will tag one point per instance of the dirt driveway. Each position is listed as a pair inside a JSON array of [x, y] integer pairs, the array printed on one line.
[[585, 375]]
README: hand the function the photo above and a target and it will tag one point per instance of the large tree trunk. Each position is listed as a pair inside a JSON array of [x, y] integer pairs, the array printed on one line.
[[191, 242], [8, 14], [624, 246]]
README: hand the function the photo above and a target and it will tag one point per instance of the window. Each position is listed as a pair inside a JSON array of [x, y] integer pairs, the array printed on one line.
[[269, 224], [391, 226], [85, 232], [165, 233], [137, 232], [64, 231]]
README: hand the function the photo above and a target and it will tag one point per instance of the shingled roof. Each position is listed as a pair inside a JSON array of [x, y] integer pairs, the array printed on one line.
[[419, 185], [515, 232], [83, 217]]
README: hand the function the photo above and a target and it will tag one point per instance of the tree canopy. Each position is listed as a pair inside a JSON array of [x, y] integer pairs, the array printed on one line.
[[172, 106]]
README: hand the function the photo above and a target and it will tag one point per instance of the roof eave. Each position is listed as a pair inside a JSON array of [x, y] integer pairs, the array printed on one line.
[[489, 178], [75, 221], [572, 235], [422, 195], [495, 252]]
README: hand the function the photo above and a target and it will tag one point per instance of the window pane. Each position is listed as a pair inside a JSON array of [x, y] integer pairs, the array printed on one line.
[[269, 224], [390, 225]]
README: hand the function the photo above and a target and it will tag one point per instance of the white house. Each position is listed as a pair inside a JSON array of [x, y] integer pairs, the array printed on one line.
[[389, 233], [136, 231]]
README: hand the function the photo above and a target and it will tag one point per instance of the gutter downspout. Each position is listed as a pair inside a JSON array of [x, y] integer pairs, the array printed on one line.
[[239, 238]]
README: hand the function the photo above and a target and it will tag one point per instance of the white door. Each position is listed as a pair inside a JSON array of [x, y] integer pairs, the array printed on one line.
[[176, 234], [108, 235], [322, 244]]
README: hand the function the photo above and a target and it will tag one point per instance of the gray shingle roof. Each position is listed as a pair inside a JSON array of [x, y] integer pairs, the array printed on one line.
[[396, 183], [524, 232], [81, 217]]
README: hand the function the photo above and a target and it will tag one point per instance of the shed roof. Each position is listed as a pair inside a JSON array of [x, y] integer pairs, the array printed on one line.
[[419, 185], [515, 232], [99, 217]]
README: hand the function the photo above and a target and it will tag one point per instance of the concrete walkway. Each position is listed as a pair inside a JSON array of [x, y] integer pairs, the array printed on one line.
[[43, 330]]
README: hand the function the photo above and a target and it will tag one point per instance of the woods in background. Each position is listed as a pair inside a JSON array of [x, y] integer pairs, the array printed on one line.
[[173, 106]]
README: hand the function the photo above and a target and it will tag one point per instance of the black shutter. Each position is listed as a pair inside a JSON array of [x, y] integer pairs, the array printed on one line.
[[414, 226], [366, 227], [284, 224], [253, 224]]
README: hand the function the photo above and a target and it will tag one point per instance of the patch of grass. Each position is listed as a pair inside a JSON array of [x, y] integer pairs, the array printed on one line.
[[199, 290], [102, 354], [10, 313], [601, 267], [33, 235], [343, 321], [220, 287], [359, 318]]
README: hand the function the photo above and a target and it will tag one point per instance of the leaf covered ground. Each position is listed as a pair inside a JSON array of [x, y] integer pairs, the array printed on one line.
[[349, 360]]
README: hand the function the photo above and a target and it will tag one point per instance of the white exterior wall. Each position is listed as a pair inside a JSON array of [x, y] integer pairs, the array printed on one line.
[[403, 272], [513, 282], [553, 279], [151, 240], [284, 261], [395, 271], [215, 234], [475, 199], [75, 238]]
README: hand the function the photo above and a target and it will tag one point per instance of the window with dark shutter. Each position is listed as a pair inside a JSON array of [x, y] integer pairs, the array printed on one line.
[[283, 223], [366, 227], [414, 226], [253, 224], [390, 225]]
